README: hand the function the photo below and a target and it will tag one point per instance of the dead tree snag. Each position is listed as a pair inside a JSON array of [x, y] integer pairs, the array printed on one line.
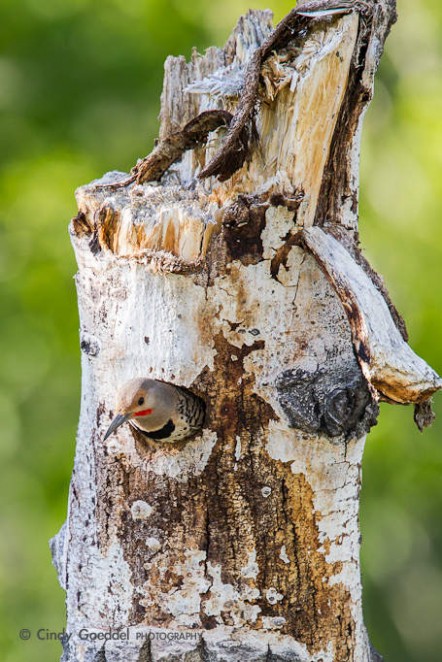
[[228, 263]]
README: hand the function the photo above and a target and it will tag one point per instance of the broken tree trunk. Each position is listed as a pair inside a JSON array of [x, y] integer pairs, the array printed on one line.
[[228, 262]]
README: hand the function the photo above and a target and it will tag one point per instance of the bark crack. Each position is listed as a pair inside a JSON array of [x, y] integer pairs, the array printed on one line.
[[145, 654], [101, 655], [203, 650]]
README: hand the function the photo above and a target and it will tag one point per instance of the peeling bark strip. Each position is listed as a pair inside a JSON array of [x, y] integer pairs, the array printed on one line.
[[387, 362], [242, 543], [170, 149]]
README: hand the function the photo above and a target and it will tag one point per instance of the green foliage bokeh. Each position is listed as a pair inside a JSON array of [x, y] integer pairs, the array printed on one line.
[[79, 95]]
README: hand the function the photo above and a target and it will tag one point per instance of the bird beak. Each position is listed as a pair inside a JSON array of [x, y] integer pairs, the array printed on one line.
[[118, 420]]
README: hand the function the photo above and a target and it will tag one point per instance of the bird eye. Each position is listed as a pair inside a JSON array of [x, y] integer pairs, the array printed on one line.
[[141, 401]]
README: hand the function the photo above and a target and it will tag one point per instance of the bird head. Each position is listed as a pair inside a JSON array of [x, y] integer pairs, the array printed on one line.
[[136, 398]]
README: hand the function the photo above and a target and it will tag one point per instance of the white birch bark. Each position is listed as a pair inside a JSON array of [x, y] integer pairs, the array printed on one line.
[[242, 543]]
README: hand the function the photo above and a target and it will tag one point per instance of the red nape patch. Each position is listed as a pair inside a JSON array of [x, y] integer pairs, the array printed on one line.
[[145, 412]]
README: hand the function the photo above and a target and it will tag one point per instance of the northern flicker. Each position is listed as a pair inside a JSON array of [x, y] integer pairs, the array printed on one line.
[[160, 411]]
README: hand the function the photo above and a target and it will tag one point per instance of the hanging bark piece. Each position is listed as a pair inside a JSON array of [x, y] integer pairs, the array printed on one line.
[[386, 360], [244, 542]]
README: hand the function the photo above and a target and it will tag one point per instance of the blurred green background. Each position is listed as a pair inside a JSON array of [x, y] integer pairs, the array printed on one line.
[[79, 95]]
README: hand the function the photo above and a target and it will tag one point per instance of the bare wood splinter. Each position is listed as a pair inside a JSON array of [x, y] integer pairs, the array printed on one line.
[[233, 151]]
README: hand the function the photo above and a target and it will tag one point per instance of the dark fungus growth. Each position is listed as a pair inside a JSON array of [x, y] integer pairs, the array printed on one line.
[[89, 345], [243, 224], [334, 400]]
